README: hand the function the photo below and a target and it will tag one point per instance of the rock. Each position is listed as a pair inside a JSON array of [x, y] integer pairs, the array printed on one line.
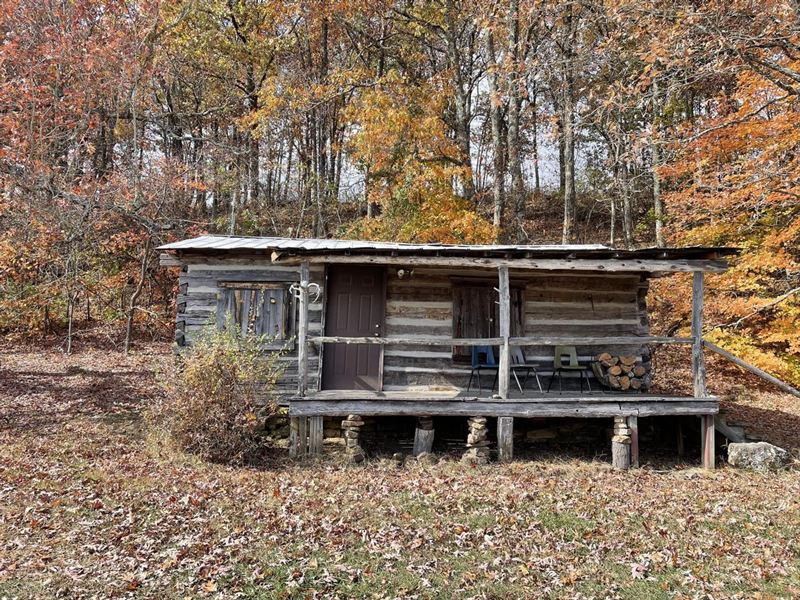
[[355, 455], [427, 459], [399, 459], [759, 456], [621, 439], [350, 423], [350, 434], [475, 438], [476, 456]]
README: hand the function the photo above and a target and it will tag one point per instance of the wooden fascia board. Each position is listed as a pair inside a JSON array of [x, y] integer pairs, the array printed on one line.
[[544, 264]]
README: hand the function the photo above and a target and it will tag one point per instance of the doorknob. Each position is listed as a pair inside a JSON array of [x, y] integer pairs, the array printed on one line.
[[377, 330]]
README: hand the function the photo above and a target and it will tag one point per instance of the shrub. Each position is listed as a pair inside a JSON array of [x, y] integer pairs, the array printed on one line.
[[211, 408]]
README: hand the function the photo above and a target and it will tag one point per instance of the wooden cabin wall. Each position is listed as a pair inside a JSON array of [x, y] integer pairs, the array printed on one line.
[[556, 305], [197, 303]]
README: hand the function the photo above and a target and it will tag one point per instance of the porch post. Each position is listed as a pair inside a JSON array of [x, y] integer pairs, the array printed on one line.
[[699, 370], [505, 425], [298, 440], [302, 331], [633, 425], [698, 361], [505, 330]]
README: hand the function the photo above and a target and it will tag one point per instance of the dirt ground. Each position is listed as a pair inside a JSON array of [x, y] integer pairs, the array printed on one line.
[[93, 505]]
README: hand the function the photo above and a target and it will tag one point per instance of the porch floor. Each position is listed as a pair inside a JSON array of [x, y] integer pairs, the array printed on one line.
[[519, 404]]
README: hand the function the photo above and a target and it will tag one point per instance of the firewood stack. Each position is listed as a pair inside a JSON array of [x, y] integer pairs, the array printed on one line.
[[621, 372]]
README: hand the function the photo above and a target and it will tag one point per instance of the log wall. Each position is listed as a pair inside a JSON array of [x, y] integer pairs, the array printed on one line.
[[555, 303], [561, 304], [197, 304]]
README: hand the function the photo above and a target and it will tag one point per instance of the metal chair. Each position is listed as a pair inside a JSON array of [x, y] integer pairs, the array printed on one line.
[[520, 363], [570, 353], [482, 359]]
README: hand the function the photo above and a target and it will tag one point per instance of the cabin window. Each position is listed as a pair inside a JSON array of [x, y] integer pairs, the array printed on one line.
[[257, 309], [476, 314]]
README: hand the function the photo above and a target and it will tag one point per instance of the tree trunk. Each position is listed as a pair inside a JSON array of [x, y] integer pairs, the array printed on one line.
[[570, 208], [537, 188], [495, 117], [568, 124], [658, 208], [463, 111], [135, 296], [514, 148]]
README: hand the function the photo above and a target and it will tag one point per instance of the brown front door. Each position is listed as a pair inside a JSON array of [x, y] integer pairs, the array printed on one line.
[[355, 308]]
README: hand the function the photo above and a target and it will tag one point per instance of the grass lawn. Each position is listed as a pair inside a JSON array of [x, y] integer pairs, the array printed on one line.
[[91, 505]]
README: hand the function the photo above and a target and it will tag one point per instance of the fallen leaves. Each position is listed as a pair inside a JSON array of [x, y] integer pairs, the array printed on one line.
[[90, 507]]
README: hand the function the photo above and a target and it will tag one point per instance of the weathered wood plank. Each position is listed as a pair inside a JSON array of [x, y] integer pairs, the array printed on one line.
[[505, 438], [302, 331], [505, 332], [633, 425], [513, 341], [752, 369], [463, 396], [499, 408], [698, 361], [601, 265], [708, 433], [315, 435]]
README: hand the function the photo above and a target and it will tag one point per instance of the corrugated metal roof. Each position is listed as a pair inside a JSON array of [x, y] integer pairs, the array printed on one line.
[[218, 242], [215, 244]]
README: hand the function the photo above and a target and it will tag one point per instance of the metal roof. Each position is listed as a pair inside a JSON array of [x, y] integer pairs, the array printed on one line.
[[217, 244]]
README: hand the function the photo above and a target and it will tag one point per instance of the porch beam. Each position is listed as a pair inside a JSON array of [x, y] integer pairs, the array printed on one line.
[[610, 265], [512, 341], [500, 408]]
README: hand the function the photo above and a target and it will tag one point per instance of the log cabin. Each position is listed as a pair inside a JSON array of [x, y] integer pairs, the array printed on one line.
[[427, 330]]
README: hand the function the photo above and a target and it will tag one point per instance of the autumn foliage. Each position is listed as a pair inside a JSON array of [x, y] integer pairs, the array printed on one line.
[[126, 125]]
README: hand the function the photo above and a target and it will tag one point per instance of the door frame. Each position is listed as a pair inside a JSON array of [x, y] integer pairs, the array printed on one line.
[[381, 347]]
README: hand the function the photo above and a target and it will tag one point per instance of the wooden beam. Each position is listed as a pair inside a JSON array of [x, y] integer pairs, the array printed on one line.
[[302, 331], [512, 341], [698, 361], [579, 409], [754, 370], [611, 265], [505, 438], [633, 425], [598, 341], [407, 340], [504, 371], [708, 431], [454, 395], [169, 260], [315, 435]]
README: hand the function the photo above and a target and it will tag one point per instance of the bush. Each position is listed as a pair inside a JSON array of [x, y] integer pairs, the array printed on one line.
[[211, 407]]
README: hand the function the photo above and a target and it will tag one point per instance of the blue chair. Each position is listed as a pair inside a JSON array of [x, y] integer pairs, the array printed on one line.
[[482, 360]]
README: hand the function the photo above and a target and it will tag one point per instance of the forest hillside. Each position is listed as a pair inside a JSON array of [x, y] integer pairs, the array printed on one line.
[[127, 125]]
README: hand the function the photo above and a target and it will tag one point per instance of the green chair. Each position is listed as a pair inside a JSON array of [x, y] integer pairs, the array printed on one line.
[[565, 359]]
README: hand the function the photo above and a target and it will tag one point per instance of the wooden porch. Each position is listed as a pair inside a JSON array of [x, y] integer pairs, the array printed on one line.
[[524, 405], [308, 407]]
